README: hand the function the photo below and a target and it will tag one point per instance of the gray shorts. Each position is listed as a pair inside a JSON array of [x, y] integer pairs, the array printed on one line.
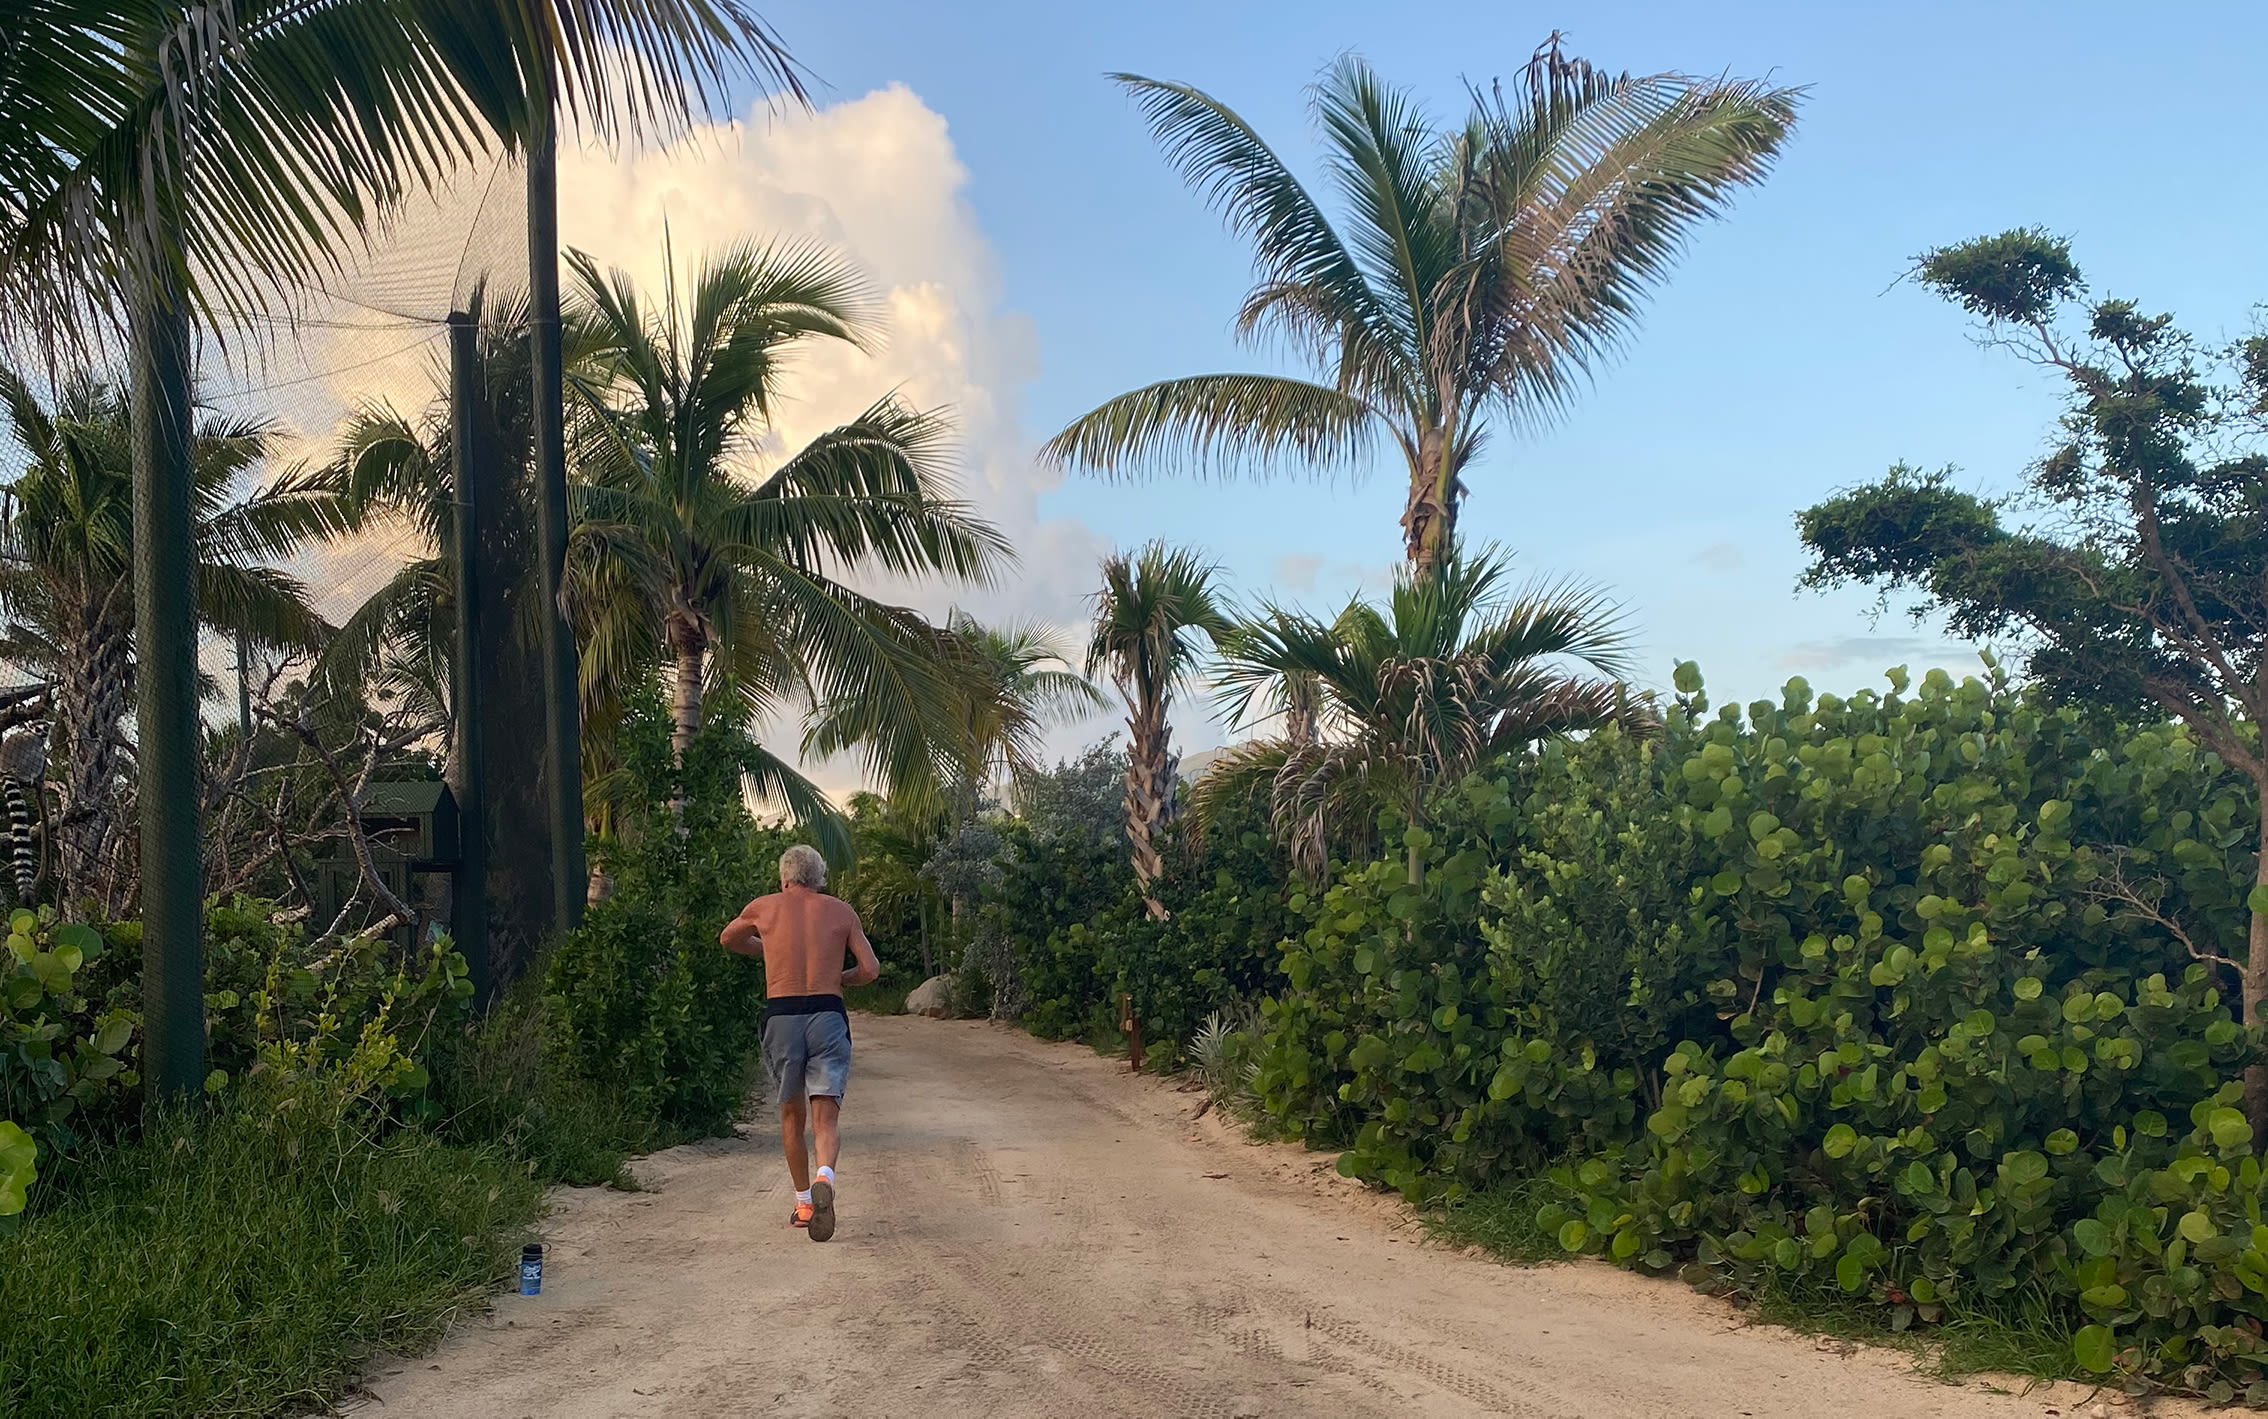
[[807, 1055]]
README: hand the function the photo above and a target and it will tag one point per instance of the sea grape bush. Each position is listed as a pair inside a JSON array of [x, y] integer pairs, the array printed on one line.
[[58, 1058], [348, 1014], [1901, 993]]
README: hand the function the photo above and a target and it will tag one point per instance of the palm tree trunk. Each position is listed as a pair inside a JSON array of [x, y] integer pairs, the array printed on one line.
[[1429, 517], [90, 700], [1149, 795], [1302, 695], [690, 647]]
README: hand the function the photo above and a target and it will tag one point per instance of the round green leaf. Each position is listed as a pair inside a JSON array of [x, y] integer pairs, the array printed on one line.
[[2229, 1128], [2095, 1349], [19, 1157], [1574, 1234], [1850, 1272], [1840, 1140]]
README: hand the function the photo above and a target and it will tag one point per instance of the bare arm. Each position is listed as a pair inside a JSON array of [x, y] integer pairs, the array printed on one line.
[[868, 970], [740, 934]]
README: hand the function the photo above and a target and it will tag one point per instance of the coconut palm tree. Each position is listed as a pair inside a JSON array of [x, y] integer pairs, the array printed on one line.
[[67, 584], [1477, 275], [1152, 607], [1453, 672], [680, 555]]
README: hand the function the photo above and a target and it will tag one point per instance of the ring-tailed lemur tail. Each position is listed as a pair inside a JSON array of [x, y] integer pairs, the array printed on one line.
[[23, 762], [26, 861]]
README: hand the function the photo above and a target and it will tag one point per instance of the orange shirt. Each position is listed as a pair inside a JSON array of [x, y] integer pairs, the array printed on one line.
[[807, 938]]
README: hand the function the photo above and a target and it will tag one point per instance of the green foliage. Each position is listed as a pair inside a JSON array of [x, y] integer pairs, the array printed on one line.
[[1892, 995], [494, 1085], [2019, 275], [642, 996], [61, 1057], [2136, 583], [1072, 915], [248, 1260], [347, 1012]]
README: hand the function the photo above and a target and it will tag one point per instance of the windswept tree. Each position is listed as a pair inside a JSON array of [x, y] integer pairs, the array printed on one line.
[[67, 587], [2140, 581], [1454, 671], [682, 555], [1153, 607], [1478, 274]]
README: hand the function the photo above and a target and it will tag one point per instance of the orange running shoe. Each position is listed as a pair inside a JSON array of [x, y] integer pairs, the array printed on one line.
[[801, 1217], [822, 1220]]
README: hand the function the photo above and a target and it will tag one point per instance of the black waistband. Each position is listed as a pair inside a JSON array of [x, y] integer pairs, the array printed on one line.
[[806, 1005]]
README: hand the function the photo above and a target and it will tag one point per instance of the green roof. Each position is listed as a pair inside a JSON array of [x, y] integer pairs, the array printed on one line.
[[403, 800]]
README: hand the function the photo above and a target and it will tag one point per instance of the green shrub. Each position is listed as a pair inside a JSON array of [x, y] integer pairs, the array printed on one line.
[[62, 1058], [496, 1084], [642, 996], [276, 1004], [248, 1261], [1080, 937], [1890, 994]]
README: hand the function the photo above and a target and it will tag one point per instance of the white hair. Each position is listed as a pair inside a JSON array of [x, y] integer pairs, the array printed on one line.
[[801, 866]]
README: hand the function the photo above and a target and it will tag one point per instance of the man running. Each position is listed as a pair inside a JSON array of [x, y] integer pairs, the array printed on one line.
[[804, 936]]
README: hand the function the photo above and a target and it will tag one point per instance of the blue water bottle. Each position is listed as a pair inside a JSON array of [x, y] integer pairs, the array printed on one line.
[[531, 1268]]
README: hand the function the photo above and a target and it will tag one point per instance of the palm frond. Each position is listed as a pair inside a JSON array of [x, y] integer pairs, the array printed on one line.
[[1229, 424], [245, 145]]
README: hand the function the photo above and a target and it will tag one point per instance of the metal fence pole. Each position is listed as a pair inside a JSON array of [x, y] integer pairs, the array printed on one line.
[[165, 674], [469, 458]]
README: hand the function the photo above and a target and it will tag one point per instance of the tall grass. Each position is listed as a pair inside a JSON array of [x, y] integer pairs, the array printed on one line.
[[247, 1261], [493, 1084]]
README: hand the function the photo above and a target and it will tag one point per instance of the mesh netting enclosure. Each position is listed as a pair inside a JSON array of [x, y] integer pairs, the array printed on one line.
[[414, 378], [352, 387]]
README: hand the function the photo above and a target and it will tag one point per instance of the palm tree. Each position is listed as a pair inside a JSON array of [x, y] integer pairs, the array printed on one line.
[[1014, 685], [1148, 615], [164, 159], [394, 471], [1453, 673], [893, 838], [67, 584], [1480, 271], [738, 582]]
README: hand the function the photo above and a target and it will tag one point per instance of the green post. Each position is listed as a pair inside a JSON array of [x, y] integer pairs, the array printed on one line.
[[563, 738], [468, 459], [165, 675]]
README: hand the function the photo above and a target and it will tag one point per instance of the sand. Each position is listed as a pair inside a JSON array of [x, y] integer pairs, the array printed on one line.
[[1028, 1230]]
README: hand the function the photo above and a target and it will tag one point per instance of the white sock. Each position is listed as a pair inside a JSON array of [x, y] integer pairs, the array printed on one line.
[[827, 1175], [804, 1198]]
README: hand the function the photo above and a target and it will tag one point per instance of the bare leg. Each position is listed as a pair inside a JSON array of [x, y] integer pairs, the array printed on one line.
[[826, 1136], [791, 1140]]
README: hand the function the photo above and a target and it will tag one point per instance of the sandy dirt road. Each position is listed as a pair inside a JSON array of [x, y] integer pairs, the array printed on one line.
[[1026, 1230]]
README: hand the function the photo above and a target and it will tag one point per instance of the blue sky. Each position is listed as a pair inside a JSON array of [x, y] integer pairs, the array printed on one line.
[[1781, 361]]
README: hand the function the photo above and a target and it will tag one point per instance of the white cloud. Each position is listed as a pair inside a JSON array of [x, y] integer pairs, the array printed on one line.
[[877, 178], [1295, 571]]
